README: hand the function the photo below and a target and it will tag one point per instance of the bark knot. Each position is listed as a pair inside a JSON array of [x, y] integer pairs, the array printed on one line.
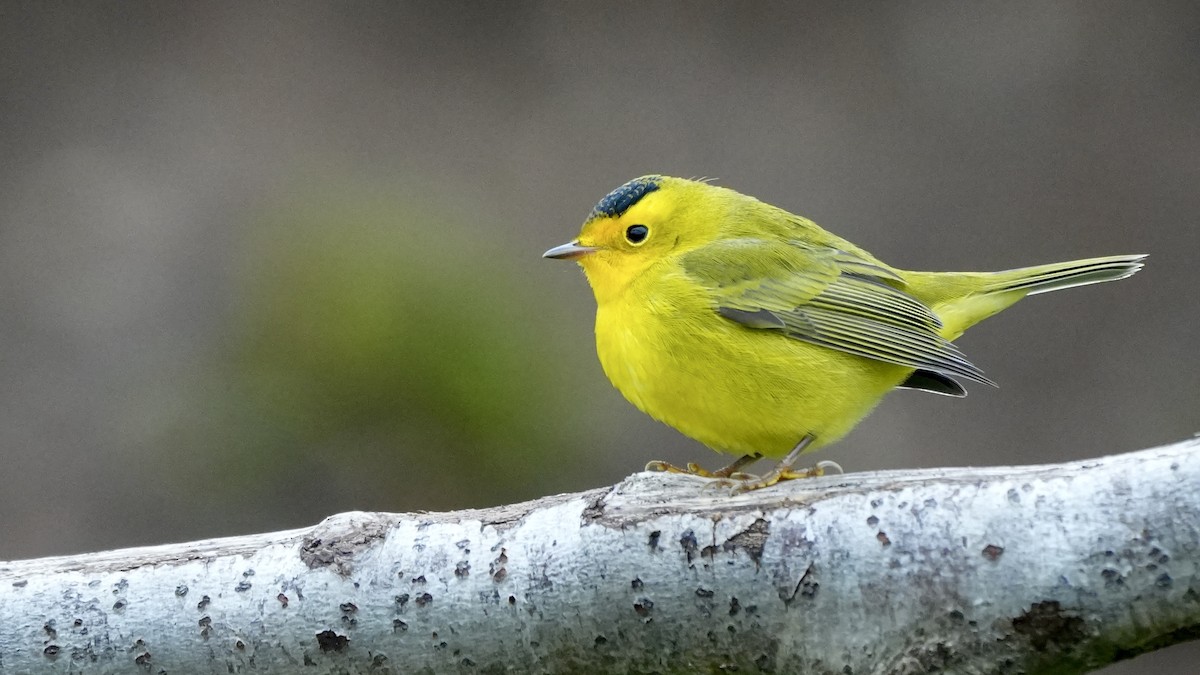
[[338, 540], [751, 540], [1047, 623]]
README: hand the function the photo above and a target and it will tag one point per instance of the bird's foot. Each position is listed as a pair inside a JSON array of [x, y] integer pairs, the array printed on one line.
[[734, 470], [781, 473]]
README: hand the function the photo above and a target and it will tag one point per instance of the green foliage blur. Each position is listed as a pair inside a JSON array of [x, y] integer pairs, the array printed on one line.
[[382, 358]]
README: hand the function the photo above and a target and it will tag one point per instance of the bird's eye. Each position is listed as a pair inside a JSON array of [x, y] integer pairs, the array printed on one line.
[[636, 234]]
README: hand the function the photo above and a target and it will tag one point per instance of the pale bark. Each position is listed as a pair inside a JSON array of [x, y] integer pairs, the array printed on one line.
[[1056, 568]]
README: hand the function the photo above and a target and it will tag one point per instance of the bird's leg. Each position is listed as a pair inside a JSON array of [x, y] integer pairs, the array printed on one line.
[[784, 470], [694, 469]]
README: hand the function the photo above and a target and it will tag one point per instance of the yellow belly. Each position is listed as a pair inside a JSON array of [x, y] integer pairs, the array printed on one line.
[[736, 389]]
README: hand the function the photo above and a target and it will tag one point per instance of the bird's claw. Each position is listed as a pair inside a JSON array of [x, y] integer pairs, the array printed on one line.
[[779, 474], [691, 469], [738, 482]]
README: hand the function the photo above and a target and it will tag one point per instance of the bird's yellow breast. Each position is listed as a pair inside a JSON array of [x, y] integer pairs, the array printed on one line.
[[735, 389]]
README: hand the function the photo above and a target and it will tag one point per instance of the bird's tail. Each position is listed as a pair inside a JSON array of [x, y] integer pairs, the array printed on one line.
[[967, 299], [1056, 276]]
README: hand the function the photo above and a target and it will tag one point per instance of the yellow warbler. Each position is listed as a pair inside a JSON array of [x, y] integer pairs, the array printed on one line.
[[759, 334]]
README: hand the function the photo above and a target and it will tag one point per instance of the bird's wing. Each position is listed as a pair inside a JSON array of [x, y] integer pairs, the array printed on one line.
[[827, 297]]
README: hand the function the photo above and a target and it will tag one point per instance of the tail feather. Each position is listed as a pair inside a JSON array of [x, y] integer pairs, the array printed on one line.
[[963, 300], [1057, 276]]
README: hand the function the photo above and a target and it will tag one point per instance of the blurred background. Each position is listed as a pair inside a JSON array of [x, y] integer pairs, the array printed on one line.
[[263, 263]]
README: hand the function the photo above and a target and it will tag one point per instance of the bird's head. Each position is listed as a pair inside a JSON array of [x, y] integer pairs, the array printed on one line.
[[645, 221]]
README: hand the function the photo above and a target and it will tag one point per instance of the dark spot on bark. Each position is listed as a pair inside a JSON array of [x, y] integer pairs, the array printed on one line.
[[205, 621], [763, 662], [752, 540], [687, 541], [992, 552], [283, 600], [704, 593], [1014, 497], [77, 623], [49, 629], [499, 575], [956, 615], [734, 606], [1047, 623], [503, 557], [51, 650], [181, 591], [20, 584], [330, 641], [205, 601], [424, 599], [512, 599], [806, 587], [419, 580], [872, 521], [402, 599], [600, 640], [119, 605], [348, 607], [876, 503], [1112, 577], [653, 543], [239, 644], [399, 626], [883, 538], [142, 659], [1163, 580], [643, 607], [462, 569], [243, 586], [467, 663], [709, 552], [636, 583]]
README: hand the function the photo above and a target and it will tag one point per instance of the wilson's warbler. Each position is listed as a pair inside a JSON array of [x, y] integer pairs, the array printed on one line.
[[758, 333]]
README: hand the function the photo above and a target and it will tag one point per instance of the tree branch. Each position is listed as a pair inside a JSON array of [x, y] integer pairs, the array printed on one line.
[[1057, 568]]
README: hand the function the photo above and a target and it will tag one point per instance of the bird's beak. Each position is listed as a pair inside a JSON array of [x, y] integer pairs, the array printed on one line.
[[571, 251]]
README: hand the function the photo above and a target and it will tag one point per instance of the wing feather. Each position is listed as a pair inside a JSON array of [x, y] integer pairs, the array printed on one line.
[[826, 297]]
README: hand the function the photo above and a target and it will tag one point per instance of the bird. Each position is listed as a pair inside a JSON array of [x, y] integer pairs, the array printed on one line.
[[762, 335]]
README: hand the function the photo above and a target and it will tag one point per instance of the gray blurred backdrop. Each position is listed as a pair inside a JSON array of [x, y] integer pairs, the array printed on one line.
[[266, 262]]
